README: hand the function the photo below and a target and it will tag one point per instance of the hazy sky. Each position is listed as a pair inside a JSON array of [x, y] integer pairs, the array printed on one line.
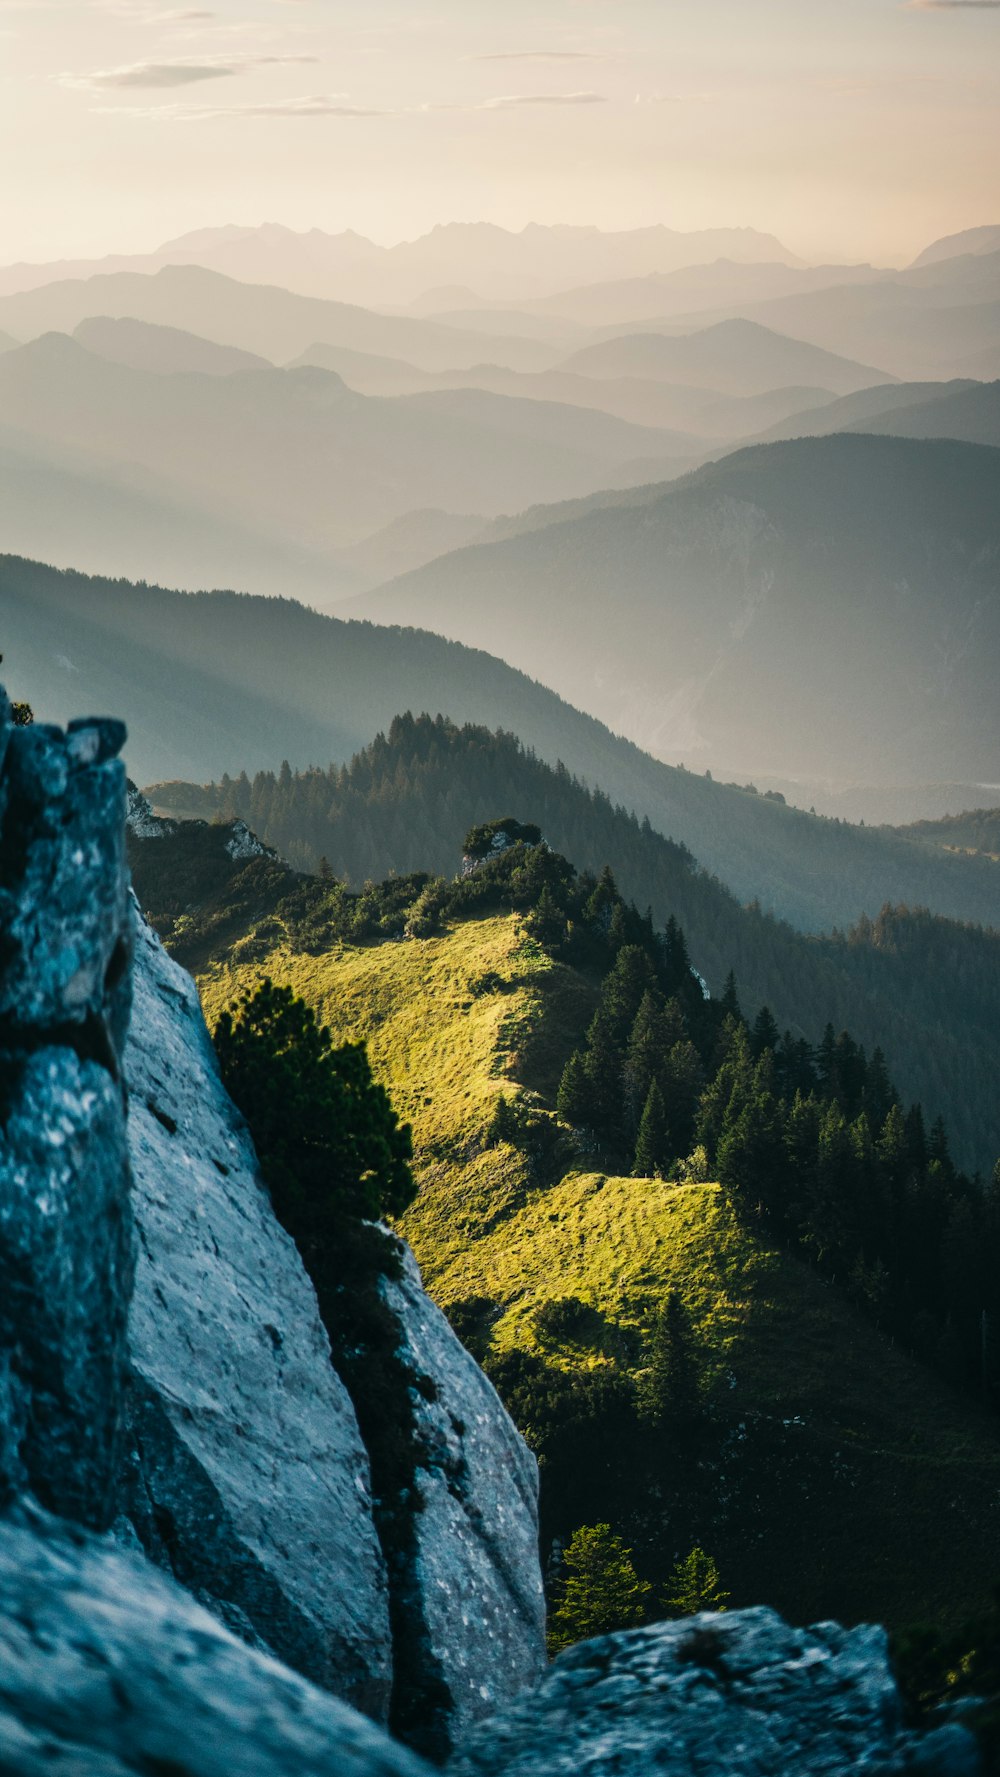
[[854, 128]]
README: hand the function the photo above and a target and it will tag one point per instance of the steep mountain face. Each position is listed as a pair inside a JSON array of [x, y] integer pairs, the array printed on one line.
[[67, 1249], [824, 607], [164, 1363], [246, 1477]]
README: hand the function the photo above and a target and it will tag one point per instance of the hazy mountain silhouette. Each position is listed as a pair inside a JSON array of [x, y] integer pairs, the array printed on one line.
[[692, 287], [879, 409], [935, 320], [263, 319], [732, 357], [300, 457], [825, 607], [970, 240], [531, 262], [971, 413], [143, 346], [66, 504], [690, 412], [218, 682]]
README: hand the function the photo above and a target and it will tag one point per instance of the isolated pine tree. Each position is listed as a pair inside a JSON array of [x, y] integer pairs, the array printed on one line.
[[651, 1142], [695, 1585], [600, 1590]]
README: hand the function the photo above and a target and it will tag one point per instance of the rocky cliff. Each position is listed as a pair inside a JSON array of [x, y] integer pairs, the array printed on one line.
[[245, 1475], [162, 1357], [66, 1239]]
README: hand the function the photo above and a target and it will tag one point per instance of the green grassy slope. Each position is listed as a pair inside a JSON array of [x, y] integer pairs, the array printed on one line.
[[926, 990], [841, 1479]]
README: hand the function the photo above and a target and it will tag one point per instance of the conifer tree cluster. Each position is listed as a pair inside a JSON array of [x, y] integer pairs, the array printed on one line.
[[815, 1144], [927, 989]]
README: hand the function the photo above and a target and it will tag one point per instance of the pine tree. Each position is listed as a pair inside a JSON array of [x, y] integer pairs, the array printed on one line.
[[573, 1098], [651, 1142], [671, 1390], [329, 1141], [600, 1590], [546, 921], [765, 1034], [695, 1585], [648, 1046], [683, 1080]]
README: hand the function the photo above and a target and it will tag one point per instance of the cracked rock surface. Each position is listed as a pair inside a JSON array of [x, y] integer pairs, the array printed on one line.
[[66, 1242], [739, 1694], [470, 1604], [107, 1668], [247, 1477]]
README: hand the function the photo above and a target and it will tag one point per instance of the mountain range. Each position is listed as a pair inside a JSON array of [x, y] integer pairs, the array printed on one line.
[[509, 264], [219, 682], [825, 607]]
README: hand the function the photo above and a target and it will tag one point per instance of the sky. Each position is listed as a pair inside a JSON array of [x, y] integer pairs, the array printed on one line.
[[852, 129]]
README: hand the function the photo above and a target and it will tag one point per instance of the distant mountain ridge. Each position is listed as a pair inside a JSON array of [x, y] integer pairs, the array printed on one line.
[[809, 608], [210, 683], [516, 264], [297, 456]]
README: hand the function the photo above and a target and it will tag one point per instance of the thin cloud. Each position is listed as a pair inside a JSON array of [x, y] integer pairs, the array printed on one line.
[[186, 71], [323, 105], [507, 99], [334, 105], [952, 6], [541, 55]]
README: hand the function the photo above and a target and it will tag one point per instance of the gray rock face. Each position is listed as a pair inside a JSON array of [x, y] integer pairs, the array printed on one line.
[[140, 820], [243, 1471], [248, 1478], [469, 1607], [734, 1695], [66, 1243], [108, 1668]]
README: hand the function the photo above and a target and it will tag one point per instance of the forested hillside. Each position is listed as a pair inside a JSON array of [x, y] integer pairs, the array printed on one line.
[[926, 989], [694, 1361], [215, 682], [976, 831], [824, 607]]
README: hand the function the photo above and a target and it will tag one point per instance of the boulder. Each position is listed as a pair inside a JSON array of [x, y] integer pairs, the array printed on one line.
[[66, 1240], [108, 1668], [247, 1476], [467, 1587], [739, 1694]]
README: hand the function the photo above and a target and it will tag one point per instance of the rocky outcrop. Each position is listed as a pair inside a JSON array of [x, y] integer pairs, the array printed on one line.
[[66, 1244], [140, 820], [469, 1607], [201, 1409], [247, 1477], [740, 1694], [109, 1669]]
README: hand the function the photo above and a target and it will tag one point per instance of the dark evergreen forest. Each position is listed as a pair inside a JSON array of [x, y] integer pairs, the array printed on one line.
[[924, 989]]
